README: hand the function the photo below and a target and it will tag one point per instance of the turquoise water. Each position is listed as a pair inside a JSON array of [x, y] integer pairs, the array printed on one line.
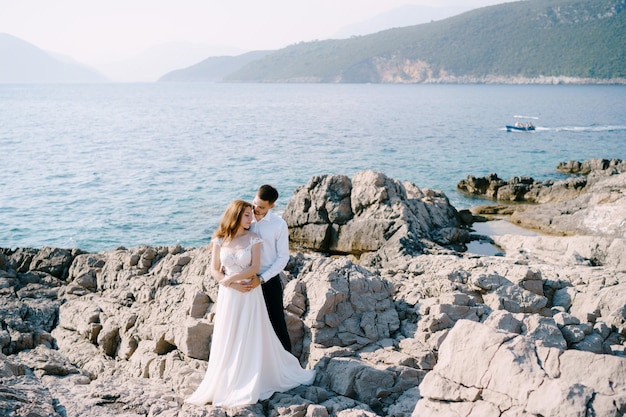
[[99, 166]]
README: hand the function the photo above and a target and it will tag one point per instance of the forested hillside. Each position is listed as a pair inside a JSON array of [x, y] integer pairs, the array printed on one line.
[[512, 42]]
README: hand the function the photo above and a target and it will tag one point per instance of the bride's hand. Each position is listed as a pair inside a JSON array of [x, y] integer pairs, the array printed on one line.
[[240, 286]]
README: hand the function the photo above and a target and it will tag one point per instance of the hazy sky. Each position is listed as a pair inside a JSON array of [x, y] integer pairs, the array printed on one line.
[[99, 31]]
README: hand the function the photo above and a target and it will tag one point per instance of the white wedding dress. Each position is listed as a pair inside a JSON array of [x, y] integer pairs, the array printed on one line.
[[247, 362]]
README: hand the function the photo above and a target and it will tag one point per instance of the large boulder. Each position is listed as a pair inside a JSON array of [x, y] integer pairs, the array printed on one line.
[[348, 305], [489, 372], [370, 213]]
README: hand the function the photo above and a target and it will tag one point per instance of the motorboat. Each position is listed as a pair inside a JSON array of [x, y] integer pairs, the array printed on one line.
[[521, 126]]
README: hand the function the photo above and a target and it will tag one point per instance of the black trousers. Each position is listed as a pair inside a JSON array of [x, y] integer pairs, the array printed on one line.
[[273, 294]]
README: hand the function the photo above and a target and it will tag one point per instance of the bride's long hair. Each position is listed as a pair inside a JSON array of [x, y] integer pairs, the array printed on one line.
[[231, 219]]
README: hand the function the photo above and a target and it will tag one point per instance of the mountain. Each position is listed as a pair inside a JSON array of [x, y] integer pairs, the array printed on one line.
[[408, 15], [529, 39], [213, 69], [521, 42], [22, 62], [151, 63]]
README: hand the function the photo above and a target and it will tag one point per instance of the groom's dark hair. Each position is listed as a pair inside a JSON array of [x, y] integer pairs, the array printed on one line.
[[267, 193]]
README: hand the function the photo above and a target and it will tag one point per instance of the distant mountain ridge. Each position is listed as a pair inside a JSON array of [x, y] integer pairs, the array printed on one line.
[[543, 41], [22, 62], [535, 41]]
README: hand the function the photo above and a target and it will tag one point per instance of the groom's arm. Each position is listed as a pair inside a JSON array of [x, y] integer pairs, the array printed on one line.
[[281, 244]]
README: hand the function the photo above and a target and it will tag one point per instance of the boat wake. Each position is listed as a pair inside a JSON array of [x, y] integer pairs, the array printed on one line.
[[583, 129], [608, 128]]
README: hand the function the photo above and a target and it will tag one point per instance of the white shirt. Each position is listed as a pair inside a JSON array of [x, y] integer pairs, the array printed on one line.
[[275, 247]]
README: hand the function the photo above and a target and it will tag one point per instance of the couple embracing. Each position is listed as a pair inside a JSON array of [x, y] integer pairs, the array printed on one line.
[[250, 355]]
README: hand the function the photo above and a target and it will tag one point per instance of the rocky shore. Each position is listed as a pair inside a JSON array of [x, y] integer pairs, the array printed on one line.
[[381, 298]]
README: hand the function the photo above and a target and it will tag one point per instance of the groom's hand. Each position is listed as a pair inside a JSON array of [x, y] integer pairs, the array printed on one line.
[[256, 281], [239, 286]]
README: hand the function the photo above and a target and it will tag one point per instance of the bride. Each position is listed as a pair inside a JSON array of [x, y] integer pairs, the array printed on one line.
[[247, 362]]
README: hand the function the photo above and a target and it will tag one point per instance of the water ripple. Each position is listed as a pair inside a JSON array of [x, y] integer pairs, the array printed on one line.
[[99, 166]]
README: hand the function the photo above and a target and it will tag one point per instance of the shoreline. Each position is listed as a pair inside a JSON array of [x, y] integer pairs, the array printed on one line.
[[129, 330], [492, 228]]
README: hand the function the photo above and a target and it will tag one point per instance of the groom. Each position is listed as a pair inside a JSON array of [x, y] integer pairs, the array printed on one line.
[[274, 257]]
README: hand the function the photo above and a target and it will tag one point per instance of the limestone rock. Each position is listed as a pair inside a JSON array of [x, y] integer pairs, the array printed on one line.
[[593, 204], [406, 327], [26, 396], [338, 215], [348, 305], [513, 371]]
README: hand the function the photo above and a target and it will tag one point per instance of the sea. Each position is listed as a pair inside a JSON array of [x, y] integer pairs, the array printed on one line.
[[99, 166]]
